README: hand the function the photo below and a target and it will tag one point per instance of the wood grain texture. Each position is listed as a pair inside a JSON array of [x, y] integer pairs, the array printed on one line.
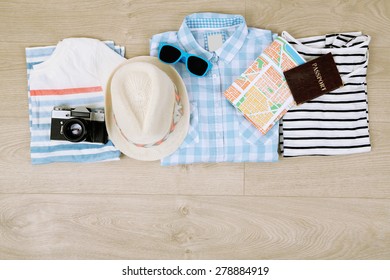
[[315, 17], [165, 227], [299, 208]]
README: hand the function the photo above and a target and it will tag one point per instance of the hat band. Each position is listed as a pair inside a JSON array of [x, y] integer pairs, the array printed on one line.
[[176, 116]]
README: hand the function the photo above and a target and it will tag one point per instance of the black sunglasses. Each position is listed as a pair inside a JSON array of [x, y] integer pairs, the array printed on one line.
[[196, 65]]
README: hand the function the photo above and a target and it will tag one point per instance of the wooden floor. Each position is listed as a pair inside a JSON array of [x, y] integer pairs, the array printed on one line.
[[300, 208]]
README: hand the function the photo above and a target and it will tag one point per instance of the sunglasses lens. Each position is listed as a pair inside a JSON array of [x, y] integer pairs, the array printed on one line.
[[197, 66], [169, 54]]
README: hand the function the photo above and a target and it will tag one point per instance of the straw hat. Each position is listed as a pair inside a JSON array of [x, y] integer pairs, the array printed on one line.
[[146, 108]]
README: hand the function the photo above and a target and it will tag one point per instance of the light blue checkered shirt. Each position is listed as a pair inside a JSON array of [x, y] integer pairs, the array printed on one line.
[[218, 132]]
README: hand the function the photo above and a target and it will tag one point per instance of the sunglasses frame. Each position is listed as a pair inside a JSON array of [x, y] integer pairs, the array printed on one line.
[[184, 58]]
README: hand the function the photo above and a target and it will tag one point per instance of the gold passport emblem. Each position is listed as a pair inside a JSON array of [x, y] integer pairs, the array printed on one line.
[[317, 72]]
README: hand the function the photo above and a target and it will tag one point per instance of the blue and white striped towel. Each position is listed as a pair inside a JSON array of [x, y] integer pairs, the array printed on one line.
[[73, 73]]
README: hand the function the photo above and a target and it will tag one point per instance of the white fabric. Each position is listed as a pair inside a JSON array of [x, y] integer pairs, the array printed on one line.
[[74, 74]]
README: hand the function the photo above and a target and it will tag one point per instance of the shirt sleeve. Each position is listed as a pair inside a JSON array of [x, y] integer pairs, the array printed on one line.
[[106, 62], [166, 37]]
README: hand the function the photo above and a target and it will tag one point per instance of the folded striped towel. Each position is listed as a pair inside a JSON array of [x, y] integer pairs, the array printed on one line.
[[73, 73]]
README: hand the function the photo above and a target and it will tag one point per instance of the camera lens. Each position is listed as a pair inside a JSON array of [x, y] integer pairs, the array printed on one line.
[[75, 130]]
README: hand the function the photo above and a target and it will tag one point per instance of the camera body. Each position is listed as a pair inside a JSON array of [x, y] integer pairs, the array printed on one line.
[[78, 124]]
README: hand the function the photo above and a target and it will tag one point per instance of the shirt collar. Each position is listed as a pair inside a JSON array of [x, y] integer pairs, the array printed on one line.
[[212, 20]]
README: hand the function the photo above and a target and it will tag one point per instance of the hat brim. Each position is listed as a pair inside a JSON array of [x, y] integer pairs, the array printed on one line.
[[174, 140]]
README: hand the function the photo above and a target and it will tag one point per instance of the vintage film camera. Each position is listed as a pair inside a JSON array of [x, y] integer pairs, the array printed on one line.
[[78, 124]]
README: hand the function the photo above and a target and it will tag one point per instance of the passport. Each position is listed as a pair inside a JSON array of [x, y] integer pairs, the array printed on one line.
[[313, 79]]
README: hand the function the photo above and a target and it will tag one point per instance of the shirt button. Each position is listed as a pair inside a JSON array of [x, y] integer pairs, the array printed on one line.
[[215, 76], [214, 59]]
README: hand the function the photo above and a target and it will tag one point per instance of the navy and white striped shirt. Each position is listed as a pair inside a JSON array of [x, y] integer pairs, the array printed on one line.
[[335, 123]]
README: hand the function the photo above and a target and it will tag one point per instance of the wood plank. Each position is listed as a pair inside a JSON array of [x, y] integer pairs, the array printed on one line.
[[161, 15], [359, 175], [189, 227], [42, 22], [303, 18], [125, 21]]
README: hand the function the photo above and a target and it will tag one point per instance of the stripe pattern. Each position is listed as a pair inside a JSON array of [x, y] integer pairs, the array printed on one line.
[[337, 122], [41, 103]]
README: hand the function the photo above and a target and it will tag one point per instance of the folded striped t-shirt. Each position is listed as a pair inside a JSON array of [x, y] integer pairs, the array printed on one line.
[[337, 122], [71, 74]]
